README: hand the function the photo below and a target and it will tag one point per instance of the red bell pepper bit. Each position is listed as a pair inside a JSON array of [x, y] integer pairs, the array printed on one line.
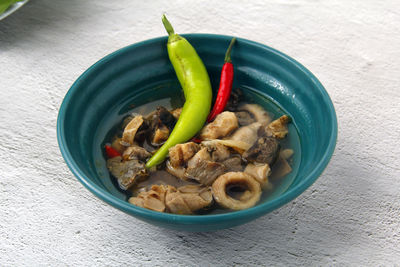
[[111, 152], [196, 140]]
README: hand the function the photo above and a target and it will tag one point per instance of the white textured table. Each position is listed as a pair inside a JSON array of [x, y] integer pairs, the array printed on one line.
[[349, 217]]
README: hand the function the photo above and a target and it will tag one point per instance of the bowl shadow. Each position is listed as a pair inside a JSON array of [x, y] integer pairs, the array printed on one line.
[[313, 228]]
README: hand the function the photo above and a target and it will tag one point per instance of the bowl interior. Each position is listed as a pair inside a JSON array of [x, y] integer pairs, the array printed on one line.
[[141, 73]]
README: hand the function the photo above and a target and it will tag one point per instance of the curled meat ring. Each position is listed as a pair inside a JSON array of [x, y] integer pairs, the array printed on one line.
[[240, 179]]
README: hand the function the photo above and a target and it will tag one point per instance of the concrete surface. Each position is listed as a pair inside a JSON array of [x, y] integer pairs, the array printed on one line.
[[349, 217]]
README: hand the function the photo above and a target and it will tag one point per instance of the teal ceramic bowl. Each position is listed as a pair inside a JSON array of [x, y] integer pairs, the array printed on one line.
[[139, 73]]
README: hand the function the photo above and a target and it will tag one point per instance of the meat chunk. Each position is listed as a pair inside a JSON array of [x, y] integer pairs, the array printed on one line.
[[175, 202], [234, 99], [116, 144], [188, 199], [222, 126], [127, 119], [165, 117], [260, 172], [205, 172], [248, 134], [154, 199], [182, 200], [127, 172], [286, 153], [257, 112], [239, 146], [196, 197], [161, 124], [178, 171], [130, 130], [144, 131], [236, 180], [278, 128], [218, 151], [233, 164], [176, 113], [181, 153], [160, 135], [281, 168], [136, 152], [201, 155], [202, 169], [244, 117], [265, 150]]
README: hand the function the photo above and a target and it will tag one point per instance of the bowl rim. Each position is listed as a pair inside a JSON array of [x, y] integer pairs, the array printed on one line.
[[256, 211]]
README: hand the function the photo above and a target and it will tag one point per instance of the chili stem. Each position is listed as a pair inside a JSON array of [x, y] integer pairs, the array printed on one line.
[[167, 25], [228, 52]]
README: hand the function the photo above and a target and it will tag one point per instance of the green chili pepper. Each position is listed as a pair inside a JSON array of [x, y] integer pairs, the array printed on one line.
[[196, 86]]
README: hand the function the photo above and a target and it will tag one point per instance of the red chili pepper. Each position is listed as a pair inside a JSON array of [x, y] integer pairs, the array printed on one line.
[[196, 140], [111, 152], [225, 85]]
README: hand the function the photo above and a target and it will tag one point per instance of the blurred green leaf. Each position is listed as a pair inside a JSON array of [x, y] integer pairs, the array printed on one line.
[[4, 4]]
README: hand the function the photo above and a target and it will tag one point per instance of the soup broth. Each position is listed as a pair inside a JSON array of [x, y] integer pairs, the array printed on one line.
[[276, 185]]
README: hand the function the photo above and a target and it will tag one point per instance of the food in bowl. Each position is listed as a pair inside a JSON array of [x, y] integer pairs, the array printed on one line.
[[229, 165], [229, 160]]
